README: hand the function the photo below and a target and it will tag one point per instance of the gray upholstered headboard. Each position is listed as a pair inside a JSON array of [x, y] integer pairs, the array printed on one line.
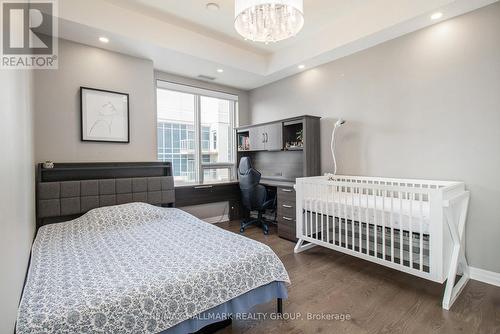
[[70, 189]]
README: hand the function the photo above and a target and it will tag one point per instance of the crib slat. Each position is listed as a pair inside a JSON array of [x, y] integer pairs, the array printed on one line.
[[315, 224], [421, 247], [367, 223], [412, 195], [352, 218], [322, 191], [375, 229], [327, 216], [401, 246], [338, 214], [384, 195], [334, 214], [360, 241], [345, 217], [321, 201], [341, 214], [311, 189], [304, 208], [318, 208], [392, 226]]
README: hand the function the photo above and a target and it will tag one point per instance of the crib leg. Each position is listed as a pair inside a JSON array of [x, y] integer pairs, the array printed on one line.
[[300, 247], [458, 260], [453, 291]]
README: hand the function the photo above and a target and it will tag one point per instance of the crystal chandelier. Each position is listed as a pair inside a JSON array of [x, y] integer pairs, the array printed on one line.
[[268, 20]]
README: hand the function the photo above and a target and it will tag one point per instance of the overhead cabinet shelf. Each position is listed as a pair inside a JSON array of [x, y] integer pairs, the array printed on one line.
[[267, 137], [264, 142], [281, 135]]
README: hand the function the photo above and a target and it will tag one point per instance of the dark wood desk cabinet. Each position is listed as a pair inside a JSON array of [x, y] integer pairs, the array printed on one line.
[[286, 213], [210, 193], [283, 150]]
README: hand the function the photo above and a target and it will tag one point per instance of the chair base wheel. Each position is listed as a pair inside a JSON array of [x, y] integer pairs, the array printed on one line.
[[260, 221]]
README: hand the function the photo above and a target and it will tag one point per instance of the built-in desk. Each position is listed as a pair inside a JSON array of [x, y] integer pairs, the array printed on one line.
[[276, 183], [230, 191]]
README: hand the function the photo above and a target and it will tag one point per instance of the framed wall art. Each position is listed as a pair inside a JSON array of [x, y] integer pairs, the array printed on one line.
[[104, 116]]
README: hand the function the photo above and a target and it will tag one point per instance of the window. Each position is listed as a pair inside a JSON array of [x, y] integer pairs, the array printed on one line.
[[195, 133]]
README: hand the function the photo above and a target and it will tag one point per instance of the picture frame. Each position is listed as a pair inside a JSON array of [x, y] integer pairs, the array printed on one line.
[[105, 116]]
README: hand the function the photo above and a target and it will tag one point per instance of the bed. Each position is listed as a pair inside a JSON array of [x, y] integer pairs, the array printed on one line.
[[138, 267], [415, 226]]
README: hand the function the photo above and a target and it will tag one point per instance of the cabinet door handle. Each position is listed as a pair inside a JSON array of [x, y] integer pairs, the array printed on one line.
[[286, 190], [289, 219], [203, 187], [287, 206], [267, 137], [263, 137]]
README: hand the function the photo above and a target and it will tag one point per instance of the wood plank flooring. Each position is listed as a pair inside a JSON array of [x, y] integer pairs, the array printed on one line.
[[378, 299]]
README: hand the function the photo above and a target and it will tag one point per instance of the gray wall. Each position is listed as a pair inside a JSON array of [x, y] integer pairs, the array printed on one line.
[[17, 221], [425, 105], [57, 105]]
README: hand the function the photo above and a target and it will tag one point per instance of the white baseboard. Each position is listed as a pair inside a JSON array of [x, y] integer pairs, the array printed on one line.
[[218, 219], [485, 276]]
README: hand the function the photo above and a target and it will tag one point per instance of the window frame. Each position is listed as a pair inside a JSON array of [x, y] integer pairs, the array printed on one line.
[[198, 93]]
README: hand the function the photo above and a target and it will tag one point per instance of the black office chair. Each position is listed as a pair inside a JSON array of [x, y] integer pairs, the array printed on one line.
[[254, 196]]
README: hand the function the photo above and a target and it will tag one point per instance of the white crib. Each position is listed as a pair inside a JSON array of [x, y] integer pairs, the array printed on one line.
[[414, 226]]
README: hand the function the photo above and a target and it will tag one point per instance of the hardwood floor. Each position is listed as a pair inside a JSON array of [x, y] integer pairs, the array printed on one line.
[[378, 299]]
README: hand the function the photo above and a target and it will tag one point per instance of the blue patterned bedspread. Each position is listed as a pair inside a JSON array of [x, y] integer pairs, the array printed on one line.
[[137, 268]]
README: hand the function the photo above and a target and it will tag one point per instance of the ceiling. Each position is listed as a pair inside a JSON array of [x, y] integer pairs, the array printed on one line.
[[184, 38], [194, 15]]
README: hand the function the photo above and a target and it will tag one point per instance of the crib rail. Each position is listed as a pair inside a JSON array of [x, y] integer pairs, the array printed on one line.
[[387, 221]]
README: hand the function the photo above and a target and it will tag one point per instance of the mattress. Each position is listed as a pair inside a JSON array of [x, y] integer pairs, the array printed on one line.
[[137, 268], [377, 210]]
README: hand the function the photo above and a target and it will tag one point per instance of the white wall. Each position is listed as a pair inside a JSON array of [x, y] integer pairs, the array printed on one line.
[[17, 222], [425, 105]]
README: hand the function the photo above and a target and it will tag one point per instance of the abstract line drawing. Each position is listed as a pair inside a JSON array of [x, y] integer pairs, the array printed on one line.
[[105, 115]]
